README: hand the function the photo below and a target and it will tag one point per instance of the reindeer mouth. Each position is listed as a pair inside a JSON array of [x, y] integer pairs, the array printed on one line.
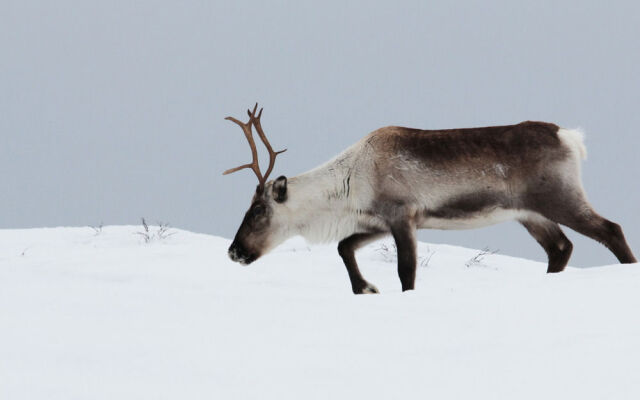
[[247, 259]]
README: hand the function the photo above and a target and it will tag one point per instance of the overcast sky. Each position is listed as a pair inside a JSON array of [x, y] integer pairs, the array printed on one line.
[[110, 111]]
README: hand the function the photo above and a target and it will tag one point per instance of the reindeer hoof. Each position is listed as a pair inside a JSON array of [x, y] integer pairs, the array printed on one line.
[[366, 288]]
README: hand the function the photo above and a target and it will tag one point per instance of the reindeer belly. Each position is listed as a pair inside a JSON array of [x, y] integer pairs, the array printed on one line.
[[472, 220], [471, 209]]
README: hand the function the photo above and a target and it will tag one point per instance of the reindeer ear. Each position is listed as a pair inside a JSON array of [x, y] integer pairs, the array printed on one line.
[[280, 189]]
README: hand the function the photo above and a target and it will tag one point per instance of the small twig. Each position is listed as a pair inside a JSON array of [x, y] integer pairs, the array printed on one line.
[[163, 231], [144, 225], [424, 261], [478, 258], [389, 254], [145, 235], [97, 229]]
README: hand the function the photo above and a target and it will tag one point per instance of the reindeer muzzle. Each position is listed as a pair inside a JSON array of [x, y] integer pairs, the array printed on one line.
[[239, 254]]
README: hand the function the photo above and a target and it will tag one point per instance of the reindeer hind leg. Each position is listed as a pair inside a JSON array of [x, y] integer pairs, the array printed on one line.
[[552, 240], [591, 224], [573, 210]]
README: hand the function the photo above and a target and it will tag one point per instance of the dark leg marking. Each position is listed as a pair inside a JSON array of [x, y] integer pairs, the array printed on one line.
[[404, 235], [575, 212], [554, 242], [590, 224], [347, 248]]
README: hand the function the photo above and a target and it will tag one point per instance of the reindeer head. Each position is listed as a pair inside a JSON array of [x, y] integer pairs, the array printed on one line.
[[261, 229]]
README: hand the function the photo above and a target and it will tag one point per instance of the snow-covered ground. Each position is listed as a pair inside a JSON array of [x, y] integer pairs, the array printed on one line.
[[107, 316]]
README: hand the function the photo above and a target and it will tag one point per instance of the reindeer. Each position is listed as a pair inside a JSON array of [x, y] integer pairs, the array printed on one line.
[[396, 180]]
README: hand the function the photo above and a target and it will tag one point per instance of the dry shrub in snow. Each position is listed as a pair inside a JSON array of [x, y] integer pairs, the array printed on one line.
[[161, 232]]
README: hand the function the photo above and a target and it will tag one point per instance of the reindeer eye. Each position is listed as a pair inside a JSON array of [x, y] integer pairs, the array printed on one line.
[[258, 211]]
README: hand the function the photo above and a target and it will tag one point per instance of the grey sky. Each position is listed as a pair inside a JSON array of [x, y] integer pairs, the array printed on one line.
[[110, 111]]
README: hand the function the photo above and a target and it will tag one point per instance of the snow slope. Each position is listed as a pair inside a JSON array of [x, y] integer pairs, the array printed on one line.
[[110, 317]]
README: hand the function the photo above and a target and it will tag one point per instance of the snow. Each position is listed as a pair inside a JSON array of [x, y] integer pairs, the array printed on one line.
[[107, 316]]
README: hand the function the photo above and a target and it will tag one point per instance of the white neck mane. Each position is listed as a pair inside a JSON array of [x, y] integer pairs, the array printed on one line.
[[324, 203]]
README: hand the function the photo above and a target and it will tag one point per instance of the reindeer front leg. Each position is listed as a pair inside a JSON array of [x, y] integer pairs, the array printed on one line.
[[347, 248], [404, 233]]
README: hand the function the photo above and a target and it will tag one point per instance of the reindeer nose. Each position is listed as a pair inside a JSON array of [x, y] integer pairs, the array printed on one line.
[[239, 254]]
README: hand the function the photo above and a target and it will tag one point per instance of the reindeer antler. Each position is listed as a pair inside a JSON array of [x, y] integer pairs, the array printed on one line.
[[254, 165], [255, 119]]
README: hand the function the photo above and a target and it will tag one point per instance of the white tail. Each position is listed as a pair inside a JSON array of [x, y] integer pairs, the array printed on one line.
[[574, 138]]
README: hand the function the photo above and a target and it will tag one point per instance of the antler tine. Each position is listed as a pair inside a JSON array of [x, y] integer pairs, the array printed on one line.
[[255, 119], [246, 128], [253, 113]]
